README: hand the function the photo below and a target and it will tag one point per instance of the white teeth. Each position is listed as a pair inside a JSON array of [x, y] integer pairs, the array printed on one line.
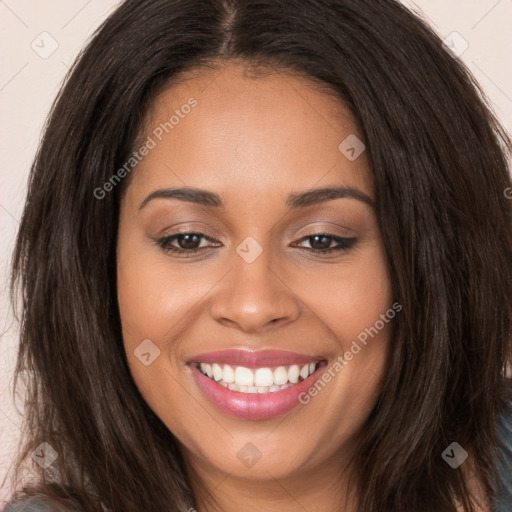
[[280, 376], [217, 372], [244, 376], [264, 377], [228, 374], [260, 380], [207, 369], [293, 374]]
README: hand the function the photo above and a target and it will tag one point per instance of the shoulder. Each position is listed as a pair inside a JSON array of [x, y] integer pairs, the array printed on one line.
[[504, 463], [34, 504]]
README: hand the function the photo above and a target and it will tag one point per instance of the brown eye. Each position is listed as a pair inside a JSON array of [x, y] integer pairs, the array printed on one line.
[[322, 243], [184, 242]]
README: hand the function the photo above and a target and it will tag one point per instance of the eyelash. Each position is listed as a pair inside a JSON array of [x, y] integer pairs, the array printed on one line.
[[345, 244]]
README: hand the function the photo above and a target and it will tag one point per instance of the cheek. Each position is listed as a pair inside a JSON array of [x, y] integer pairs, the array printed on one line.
[[349, 298], [153, 298], [355, 305], [153, 307]]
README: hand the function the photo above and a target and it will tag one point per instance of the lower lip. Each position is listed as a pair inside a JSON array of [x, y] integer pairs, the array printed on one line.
[[254, 406]]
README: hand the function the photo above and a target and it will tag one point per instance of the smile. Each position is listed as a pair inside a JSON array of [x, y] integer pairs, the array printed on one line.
[[255, 385], [261, 380]]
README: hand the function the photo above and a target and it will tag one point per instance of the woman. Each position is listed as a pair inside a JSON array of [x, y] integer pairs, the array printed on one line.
[[266, 265]]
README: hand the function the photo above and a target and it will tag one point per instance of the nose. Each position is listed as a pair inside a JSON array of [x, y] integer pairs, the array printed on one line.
[[254, 298]]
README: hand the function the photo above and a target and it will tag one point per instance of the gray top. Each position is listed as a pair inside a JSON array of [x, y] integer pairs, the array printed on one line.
[[504, 498], [503, 502], [35, 504]]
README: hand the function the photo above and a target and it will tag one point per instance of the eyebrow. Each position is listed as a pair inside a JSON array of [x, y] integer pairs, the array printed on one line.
[[294, 201]]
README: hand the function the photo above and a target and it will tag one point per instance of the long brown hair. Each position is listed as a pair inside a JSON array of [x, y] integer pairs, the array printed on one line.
[[440, 171]]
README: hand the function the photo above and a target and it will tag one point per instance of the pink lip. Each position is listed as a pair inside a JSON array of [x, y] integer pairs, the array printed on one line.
[[254, 406], [251, 359]]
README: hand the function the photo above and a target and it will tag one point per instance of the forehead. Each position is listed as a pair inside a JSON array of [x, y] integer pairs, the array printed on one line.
[[234, 131]]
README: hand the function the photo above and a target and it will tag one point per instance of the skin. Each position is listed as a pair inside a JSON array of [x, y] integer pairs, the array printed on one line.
[[254, 140]]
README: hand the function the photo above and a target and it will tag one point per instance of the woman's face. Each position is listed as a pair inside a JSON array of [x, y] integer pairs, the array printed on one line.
[[257, 303]]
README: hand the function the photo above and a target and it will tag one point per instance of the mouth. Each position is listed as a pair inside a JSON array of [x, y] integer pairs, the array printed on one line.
[[255, 385], [260, 380]]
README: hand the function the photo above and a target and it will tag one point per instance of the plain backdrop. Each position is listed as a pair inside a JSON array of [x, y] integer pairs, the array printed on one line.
[[40, 39]]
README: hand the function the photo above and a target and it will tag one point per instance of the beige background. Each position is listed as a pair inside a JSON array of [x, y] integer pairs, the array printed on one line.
[[30, 79]]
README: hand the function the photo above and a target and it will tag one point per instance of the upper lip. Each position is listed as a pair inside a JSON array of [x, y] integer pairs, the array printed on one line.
[[254, 359]]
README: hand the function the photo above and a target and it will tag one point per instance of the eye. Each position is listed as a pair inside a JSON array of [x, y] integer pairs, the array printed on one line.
[[187, 242], [322, 243]]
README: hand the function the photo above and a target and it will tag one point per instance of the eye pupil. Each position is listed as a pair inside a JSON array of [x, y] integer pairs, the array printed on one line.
[[188, 241], [320, 241]]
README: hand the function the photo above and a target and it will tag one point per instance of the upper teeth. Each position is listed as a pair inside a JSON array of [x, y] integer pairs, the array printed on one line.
[[259, 377]]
